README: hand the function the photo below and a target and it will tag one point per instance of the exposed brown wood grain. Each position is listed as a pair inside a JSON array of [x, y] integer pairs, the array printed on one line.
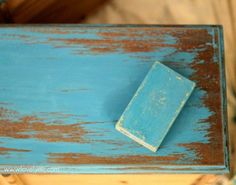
[[34, 127], [5, 150], [130, 41], [77, 158], [212, 99]]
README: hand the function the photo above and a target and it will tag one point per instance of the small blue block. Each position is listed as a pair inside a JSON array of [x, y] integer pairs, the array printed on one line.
[[155, 106]]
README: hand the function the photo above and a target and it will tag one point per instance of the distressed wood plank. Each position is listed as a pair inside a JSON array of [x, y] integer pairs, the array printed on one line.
[[63, 88], [155, 106]]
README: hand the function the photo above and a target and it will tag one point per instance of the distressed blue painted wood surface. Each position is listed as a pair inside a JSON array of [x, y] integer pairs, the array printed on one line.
[[63, 88], [155, 106]]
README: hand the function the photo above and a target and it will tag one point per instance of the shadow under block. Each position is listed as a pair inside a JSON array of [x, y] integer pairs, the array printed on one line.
[[64, 87], [155, 106]]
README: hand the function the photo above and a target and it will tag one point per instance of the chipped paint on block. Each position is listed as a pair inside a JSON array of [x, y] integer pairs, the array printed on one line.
[[155, 106], [64, 87]]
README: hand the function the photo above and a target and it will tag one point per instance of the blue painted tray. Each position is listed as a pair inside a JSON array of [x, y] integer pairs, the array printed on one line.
[[63, 88]]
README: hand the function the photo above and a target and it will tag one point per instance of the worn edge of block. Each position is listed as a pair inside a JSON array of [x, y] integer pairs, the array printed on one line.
[[138, 140], [133, 137]]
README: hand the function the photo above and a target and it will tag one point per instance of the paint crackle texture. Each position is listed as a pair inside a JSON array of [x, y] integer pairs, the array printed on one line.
[[63, 88]]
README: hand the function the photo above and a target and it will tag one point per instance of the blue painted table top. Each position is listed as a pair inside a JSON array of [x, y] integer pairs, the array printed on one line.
[[63, 88]]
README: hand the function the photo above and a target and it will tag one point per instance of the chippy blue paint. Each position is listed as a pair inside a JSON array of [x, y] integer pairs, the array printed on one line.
[[40, 75], [155, 106]]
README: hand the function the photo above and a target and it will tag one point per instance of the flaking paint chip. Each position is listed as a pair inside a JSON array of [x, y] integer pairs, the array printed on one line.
[[155, 106]]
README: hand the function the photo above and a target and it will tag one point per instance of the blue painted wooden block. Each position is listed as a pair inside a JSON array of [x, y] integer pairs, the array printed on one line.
[[64, 87], [155, 106]]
